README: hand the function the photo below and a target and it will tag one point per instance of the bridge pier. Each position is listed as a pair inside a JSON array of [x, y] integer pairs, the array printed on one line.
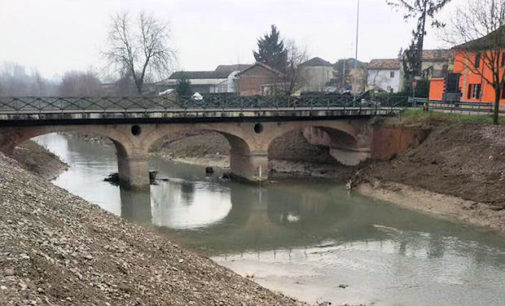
[[250, 167], [133, 171]]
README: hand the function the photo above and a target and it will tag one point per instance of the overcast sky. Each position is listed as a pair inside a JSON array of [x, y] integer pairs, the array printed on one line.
[[54, 36]]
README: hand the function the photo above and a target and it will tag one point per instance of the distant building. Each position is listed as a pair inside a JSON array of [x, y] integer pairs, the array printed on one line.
[[343, 76], [201, 81], [385, 74], [259, 79], [315, 74], [436, 63], [221, 80]]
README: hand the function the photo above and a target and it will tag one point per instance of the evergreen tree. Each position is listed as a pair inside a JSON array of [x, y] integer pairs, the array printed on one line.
[[183, 86], [424, 11], [271, 50]]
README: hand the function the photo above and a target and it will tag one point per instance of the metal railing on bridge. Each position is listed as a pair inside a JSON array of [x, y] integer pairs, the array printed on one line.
[[20, 105], [475, 108]]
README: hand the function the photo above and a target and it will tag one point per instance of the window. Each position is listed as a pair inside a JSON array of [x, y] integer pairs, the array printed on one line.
[[474, 91], [392, 74], [476, 64]]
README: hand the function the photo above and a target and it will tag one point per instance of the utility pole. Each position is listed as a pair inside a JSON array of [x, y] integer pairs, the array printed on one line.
[[356, 54]]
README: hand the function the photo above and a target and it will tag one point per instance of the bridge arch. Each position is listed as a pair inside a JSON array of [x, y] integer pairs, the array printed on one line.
[[12, 137], [345, 142], [242, 156], [132, 162]]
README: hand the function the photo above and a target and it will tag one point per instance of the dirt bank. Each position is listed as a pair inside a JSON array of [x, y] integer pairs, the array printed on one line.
[[464, 160], [57, 249], [39, 160]]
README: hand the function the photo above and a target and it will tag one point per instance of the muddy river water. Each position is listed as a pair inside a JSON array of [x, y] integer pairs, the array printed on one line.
[[308, 239]]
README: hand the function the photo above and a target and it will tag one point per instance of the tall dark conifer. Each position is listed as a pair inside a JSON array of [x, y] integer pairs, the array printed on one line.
[[424, 11], [271, 50]]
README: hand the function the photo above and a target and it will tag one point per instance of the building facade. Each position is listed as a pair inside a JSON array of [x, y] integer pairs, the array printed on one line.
[[436, 63], [385, 75], [259, 79], [315, 75], [468, 78]]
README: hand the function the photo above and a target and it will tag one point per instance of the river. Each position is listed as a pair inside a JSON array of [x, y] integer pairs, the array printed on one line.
[[310, 239]]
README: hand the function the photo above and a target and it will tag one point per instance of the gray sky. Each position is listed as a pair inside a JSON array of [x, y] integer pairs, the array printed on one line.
[[58, 35]]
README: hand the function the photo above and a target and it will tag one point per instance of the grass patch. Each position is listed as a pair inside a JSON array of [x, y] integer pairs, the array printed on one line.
[[416, 116]]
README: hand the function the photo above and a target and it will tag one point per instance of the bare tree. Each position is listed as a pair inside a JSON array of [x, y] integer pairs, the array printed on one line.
[[80, 84], [293, 78], [139, 48], [479, 30], [16, 81]]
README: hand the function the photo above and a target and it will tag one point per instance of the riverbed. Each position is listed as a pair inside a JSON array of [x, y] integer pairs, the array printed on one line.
[[310, 239]]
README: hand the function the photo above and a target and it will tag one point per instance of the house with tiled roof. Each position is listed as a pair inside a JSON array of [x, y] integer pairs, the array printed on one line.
[[385, 74], [315, 74]]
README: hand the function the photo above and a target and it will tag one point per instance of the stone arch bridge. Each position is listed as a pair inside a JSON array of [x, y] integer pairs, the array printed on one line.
[[345, 129]]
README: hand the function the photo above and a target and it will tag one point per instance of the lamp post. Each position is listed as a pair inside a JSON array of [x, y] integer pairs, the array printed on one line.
[[356, 54]]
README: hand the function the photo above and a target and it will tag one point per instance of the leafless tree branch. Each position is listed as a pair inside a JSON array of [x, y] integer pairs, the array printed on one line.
[[140, 48]]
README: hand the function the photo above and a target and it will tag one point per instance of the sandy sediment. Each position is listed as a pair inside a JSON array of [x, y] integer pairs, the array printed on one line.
[[436, 204]]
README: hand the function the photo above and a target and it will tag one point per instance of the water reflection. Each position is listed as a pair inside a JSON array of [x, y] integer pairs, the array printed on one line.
[[302, 237], [136, 205], [180, 204]]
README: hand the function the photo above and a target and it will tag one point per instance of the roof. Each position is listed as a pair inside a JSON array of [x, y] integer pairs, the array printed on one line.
[[349, 64], [437, 55], [231, 68], [390, 63], [316, 62], [194, 75], [485, 42], [265, 66]]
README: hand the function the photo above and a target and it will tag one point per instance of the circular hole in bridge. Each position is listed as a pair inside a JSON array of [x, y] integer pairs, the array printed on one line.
[[258, 128], [136, 130]]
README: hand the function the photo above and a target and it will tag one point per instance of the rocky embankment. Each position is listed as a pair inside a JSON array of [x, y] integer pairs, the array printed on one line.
[[458, 172], [57, 249]]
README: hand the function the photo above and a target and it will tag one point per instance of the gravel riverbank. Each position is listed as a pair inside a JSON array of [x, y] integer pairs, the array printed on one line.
[[57, 249]]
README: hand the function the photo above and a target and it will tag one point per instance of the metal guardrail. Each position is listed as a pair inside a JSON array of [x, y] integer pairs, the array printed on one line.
[[476, 108], [126, 107]]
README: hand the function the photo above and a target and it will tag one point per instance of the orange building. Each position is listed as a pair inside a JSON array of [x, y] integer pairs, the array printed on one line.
[[467, 77]]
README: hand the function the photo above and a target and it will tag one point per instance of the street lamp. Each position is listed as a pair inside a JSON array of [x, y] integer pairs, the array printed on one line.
[[356, 54]]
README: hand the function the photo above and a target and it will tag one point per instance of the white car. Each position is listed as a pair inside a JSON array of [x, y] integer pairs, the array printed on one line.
[[197, 97]]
